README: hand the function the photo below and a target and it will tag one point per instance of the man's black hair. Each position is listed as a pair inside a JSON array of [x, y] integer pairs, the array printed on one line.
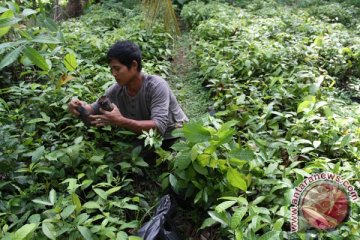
[[125, 52]]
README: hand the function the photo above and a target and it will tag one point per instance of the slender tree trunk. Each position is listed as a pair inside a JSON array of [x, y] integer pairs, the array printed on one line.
[[74, 8], [56, 10]]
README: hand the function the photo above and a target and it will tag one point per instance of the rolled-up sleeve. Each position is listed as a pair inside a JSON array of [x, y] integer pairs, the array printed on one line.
[[159, 106]]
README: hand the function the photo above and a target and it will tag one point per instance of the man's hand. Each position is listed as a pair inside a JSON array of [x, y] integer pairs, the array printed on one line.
[[107, 118], [73, 104]]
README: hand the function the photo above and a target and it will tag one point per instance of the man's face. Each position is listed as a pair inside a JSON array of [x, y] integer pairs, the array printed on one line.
[[121, 73]]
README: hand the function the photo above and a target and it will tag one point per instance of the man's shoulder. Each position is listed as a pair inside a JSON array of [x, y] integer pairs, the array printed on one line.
[[115, 88], [152, 81]]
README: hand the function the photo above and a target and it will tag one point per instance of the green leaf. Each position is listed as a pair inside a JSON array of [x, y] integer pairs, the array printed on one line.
[[46, 39], [237, 217], [195, 132], [208, 222], [308, 101], [278, 224], [258, 200], [301, 172], [272, 235], [91, 205], [37, 154], [25, 231], [7, 14], [85, 232], [135, 238], [316, 144], [7, 22], [70, 62], [224, 205], [27, 12], [76, 202], [36, 58], [346, 140], [11, 44], [10, 58], [39, 201], [67, 211], [121, 236], [35, 218], [52, 196], [49, 230], [182, 161], [101, 193], [236, 179], [2, 9], [112, 190], [219, 217]]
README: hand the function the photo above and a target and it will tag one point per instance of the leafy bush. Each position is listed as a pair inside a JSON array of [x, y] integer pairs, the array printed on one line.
[[272, 78]]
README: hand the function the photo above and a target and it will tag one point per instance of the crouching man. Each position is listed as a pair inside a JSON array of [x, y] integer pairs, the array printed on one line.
[[140, 102]]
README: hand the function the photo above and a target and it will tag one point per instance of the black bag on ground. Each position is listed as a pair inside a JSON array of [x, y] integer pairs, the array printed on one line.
[[159, 227]]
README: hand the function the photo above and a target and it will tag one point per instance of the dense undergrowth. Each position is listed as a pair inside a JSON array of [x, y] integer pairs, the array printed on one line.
[[276, 71], [274, 80]]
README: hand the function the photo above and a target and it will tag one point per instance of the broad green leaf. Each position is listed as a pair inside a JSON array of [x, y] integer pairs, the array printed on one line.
[[237, 217], [236, 179], [7, 14], [278, 224], [25, 231], [195, 132], [304, 105], [307, 149], [135, 238], [37, 154], [11, 44], [242, 154], [49, 230], [346, 140], [67, 211], [10, 57], [50, 24], [2, 9], [52, 196], [182, 161], [85, 232], [219, 217], [36, 58], [173, 181], [224, 205], [319, 41], [112, 190], [27, 12], [101, 193], [91, 205], [272, 235], [7, 22], [258, 200], [43, 202], [121, 236], [301, 172], [70, 62], [46, 39], [316, 144], [35, 218], [208, 222], [76, 202]]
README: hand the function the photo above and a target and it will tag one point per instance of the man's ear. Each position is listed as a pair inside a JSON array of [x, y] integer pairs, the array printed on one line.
[[134, 65]]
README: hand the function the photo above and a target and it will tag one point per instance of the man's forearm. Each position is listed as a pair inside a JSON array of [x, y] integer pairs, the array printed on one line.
[[136, 125]]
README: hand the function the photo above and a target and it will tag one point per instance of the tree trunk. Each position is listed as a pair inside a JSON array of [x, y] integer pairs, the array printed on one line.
[[56, 10], [74, 8]]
